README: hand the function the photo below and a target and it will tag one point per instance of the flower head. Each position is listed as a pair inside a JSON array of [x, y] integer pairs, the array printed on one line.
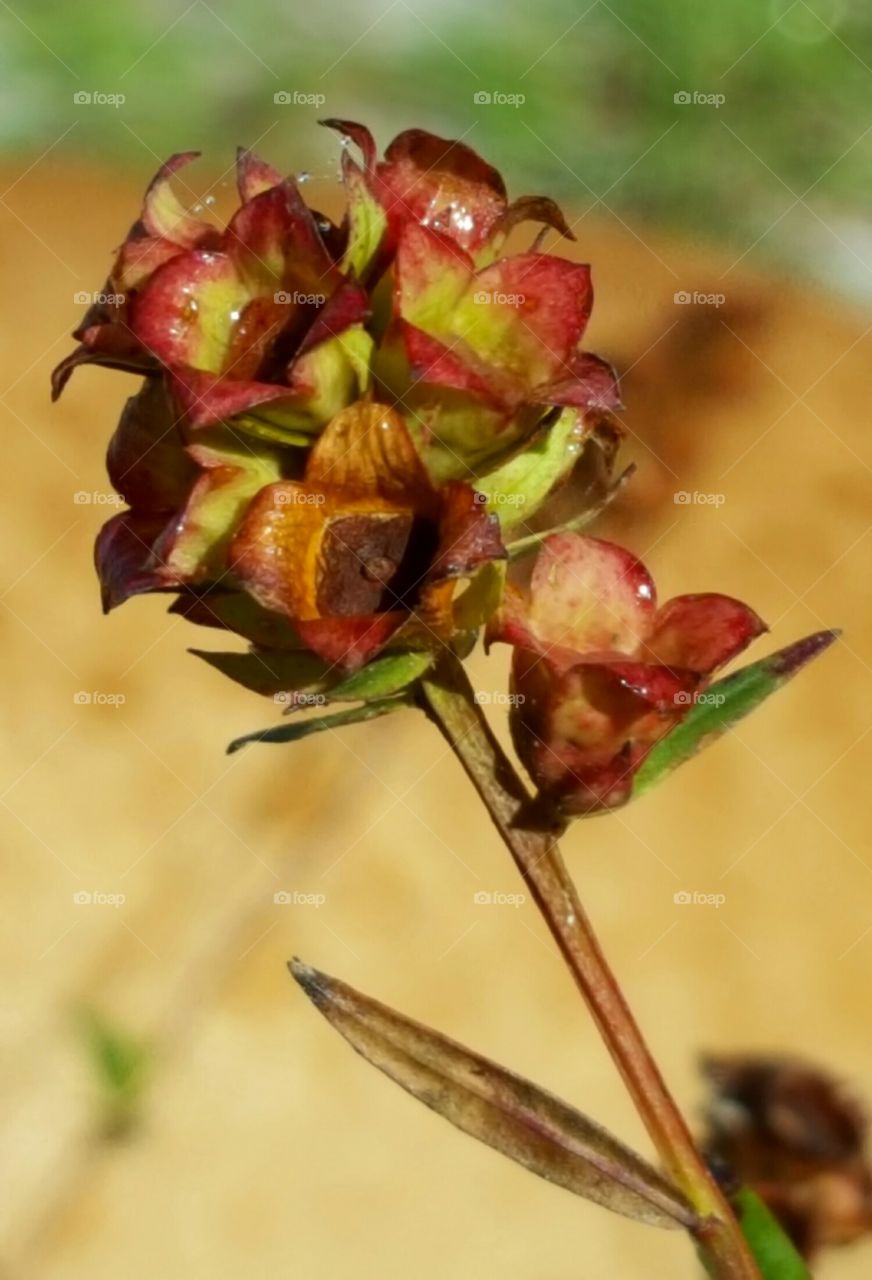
[[600, 673], [331, 414]]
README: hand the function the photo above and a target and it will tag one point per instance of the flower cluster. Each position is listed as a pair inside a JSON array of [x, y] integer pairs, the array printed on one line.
[[339, 426], [342, 430]]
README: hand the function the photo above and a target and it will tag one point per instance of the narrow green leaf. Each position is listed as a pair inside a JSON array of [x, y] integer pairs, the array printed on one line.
[[269, 671], [294, 730], [506, 1112], [773, 1250], [725, 703], [382, 677]]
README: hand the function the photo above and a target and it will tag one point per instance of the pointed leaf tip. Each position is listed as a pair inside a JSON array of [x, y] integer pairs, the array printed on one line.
[[508, 1113], [725, 703]]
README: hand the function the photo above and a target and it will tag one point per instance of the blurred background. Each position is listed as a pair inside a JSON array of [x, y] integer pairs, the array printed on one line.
[[169, 1103]]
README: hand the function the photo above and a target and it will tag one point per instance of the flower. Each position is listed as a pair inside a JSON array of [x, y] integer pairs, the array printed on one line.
[[363, 540], [334, 431], [600, 673]]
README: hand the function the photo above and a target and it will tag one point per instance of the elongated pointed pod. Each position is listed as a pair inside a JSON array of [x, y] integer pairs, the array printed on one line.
[[510, 1114]]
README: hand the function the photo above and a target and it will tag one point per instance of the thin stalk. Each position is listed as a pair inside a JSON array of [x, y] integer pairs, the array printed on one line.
[[534, 848]]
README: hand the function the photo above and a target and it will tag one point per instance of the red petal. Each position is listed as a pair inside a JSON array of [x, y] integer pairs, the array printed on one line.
[[588, 382], [204, 398], [123, 556], [146, 461], [442, 184], [188, 310], [253, 175], [469, 535], [701, 632], [349, 642], [164, 216], [530, 209], [433, 362], [359, 134], [274, 241], [590, 596]]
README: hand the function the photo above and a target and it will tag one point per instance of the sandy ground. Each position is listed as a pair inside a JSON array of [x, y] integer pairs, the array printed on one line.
[[266, 1147]]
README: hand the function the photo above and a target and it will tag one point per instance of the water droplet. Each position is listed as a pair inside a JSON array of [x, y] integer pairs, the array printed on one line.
[[209, 200], [305, 176]]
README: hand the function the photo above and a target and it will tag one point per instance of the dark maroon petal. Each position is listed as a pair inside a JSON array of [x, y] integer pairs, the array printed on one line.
[[124, 559], [274, 240], [701, 632], [586, 382], [349, 641], [253, 175], [469, 535], [359, 134], [531, 209], [146, 461]]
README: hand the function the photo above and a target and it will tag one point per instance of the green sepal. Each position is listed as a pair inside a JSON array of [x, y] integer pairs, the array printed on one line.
[[294, 730], [724, 703]]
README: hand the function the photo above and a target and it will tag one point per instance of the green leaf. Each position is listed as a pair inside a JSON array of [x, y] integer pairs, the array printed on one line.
[[382, 677], [270, 672], [774, 1252], [725, 703], [294, 730], [508, 1113]]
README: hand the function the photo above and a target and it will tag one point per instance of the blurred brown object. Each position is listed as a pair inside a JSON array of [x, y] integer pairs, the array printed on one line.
[[792, 1132]]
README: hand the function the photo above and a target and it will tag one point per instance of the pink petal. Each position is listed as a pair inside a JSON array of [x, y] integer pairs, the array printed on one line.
[[206, 398], [123, 556], [590, 596], [163, 215], [701, 632], [274, 241]]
